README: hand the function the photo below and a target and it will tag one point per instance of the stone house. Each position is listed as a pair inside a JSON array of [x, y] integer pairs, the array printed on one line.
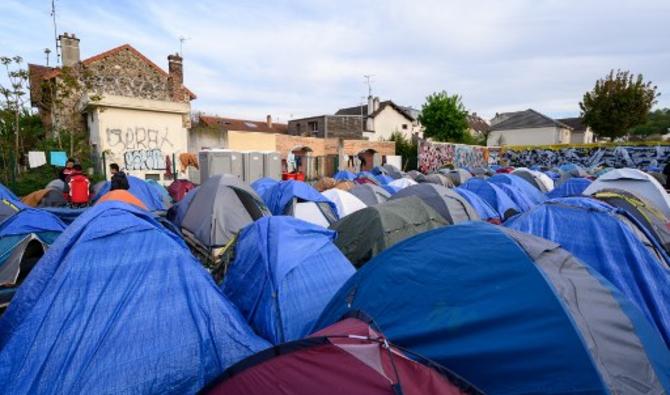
[[134, 113]]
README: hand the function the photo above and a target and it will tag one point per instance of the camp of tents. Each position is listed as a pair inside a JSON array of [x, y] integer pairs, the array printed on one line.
[[495, 280]]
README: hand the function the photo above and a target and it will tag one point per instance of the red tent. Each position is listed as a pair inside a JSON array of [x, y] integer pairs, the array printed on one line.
[[349, 357], [179, 188]]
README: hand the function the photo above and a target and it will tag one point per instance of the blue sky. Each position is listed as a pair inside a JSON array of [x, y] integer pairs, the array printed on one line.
[[299, 58]]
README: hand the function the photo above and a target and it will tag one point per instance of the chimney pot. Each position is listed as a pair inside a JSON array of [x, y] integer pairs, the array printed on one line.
[[268, 120]]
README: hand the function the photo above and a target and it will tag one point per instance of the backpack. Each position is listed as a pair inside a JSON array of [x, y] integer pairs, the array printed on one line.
[[79, 189]]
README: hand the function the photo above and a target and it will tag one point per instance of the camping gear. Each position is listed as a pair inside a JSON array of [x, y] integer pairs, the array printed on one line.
[[213, 214], [344, 175], [509, 312], [56, 184], [572, 187], [119, 305], [161, 191], [457, 176], [591, 231], [530, 192], [537, 179], [392, 171], [367, 232], [657, 224], [634, 181], [78, 190], [141, 190], [263, 186], [7, 209], [345, 185], [179, 188], [384, 179], [286, 198], [121, 195], [6, 194], [349, 357], [439, 179], [324, 183], [401, 183], [449, 204], [66, 214], [284, 273], [345, 202], [45, 198], [365, 177], [483, 209], [498, 199]]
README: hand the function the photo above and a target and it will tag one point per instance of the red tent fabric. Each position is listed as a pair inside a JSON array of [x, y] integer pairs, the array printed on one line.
[[349, 357], [179, 188]]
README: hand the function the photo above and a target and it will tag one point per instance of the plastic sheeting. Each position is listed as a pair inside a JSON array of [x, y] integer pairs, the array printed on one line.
[[531, 193], [119, 305], [263, 185], [344, 175], [572, 187], [281, 197], [5, 193], [494, 196], [590, 230], [141, 190], [285, 271], [31, 221]]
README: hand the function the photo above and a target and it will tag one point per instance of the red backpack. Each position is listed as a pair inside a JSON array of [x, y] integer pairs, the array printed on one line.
[[79, 189]]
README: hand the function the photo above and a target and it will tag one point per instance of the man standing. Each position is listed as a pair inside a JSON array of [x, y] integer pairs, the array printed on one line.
[[119, 179], [67, 170]]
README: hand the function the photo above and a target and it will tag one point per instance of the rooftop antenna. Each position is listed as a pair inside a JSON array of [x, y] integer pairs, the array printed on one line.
[[181, 44], [368, 80], [47, 51], [53, 18]]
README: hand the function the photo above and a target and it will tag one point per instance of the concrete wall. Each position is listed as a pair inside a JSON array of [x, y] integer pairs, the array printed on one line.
[[388, 121], [251, 141], [138, 134], [534, 136], [583, 137], [204, 137]]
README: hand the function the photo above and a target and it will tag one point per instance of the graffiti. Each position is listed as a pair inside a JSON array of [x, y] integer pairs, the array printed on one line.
[[151, 159], [641, 157], [137, 138], [433, 156]]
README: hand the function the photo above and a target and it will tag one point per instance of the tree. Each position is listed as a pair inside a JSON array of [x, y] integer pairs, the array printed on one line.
[[658, 124], [407, 148], [444, 118], [618, 103], [14, 96]]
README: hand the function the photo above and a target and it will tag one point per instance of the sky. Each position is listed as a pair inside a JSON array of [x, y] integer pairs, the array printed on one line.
[[293, 59]]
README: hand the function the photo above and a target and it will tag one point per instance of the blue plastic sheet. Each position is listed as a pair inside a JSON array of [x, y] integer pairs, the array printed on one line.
[[141, 190], [5, 193], [493, 195], [264, 185], [281, 195], [589, 230], [572, 187], [29, 221], [344, 175], [119, 305], [529, 192], [284, 273], [485, 211]]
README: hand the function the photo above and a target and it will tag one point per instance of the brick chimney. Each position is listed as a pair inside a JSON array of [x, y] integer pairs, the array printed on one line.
[[268, 120], [175, 77], [69, 45]]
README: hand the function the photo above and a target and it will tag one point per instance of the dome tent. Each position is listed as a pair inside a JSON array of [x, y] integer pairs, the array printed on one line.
[[367, 232], [141, 190], [370, 194], [349, 357], [144, 318], [483, 209], [449, 204], [179, 188], [529, 191], [592, 232], [285, 271], [344, 175], [458, 176], [494, 196], [571, 187], [289, 198], [346, 202], [476, 330]]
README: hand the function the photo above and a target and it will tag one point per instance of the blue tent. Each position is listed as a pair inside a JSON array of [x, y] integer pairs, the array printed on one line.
[[553, 175], [485, 211], [263, 185], [530, 192], [281, 199], [141, 190], [344, 175], [6, 193], [494, 196], [572, 187], [65, 214], [284, 273], [177, 212], [591, 231], [383, 179], [119, 305], [519, 198], [161, 191], [508, 312]]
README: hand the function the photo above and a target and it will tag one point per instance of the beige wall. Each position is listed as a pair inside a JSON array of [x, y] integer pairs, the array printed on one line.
[[251, 141], [389, 121], [137, 133], [200, 138], [534, 136], [585, 137]]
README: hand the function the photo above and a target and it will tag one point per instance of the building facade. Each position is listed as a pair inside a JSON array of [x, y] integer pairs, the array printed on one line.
[[383, 118], [527, 127], [327, 126]]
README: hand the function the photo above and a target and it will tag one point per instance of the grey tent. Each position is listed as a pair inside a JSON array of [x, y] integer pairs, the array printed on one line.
[[367, 232], [483, 173], [217, 211], [53, 198], [417, 176], [449, 204], [531, 178], [575, 172], [458, 176], [439, 179], [370, 194], [393, 171], [56, 184]]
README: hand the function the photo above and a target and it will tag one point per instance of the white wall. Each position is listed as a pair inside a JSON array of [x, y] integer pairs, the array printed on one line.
[[388, 121], [138, 134], [534, 136], [585, 137]]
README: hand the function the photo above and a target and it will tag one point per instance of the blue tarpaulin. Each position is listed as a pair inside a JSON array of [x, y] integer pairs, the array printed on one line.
[[493, 195], [280, 197], [141, 190], [284, 273], [485, 211], [572, 187], [590, 230], [530, 193], [119, 305], [344, 175], [31, 220], [5, 193], [264, 185]]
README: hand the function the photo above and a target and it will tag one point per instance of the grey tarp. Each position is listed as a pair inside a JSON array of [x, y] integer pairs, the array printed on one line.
[[53, 198], [370, 194], [220, 208], [393, 171], [457, 176], [439, 179], [449, 204], [531, 178], [367, 232], [417, 176], [56, 184]]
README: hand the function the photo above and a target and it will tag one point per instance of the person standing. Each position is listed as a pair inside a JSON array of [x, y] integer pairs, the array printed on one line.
[[119, 179], [67, 170]]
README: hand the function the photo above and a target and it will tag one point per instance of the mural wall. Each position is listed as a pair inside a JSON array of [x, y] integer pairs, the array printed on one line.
[[433, 156]]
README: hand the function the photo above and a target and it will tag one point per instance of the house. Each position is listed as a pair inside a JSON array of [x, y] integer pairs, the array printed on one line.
[[328, 126], [383, 118], [237, 134], [133, 112], [477, 126], [527, 127], [581, 134]]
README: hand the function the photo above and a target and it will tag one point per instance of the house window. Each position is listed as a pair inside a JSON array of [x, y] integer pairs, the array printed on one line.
[[313, 126], [404, 126]]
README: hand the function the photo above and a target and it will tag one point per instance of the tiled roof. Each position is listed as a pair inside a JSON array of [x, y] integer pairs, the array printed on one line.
[[476, 123], [242, 125], [528, 119], [364, 108], [577, 123]]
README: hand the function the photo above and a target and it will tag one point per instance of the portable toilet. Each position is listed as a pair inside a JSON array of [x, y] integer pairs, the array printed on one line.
[[253, 166], [272, 165], [217, 162]]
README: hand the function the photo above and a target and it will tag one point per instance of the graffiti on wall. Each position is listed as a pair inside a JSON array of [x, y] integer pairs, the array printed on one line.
[[433, 156], [590, 157], [140, 148]]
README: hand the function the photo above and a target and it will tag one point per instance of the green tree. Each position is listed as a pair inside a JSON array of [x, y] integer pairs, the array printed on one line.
[[658, 123], [618, 103], [408, 149], [444, 118]]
